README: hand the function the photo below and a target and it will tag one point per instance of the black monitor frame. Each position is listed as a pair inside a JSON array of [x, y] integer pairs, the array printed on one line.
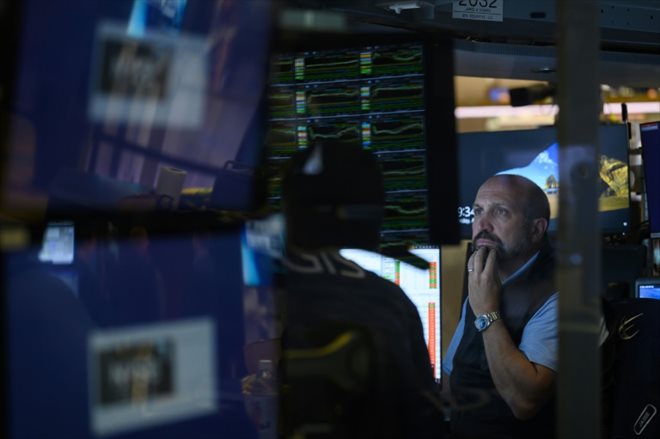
[[441, 154]]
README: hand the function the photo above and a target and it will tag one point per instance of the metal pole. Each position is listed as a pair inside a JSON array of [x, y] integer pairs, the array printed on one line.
[[578, 270]]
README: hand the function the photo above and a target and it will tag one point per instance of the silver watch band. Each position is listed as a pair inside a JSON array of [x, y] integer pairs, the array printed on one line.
[[492, 316]]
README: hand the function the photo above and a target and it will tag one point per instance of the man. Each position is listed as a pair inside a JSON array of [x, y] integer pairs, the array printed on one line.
[[502, 360], [333, 198]]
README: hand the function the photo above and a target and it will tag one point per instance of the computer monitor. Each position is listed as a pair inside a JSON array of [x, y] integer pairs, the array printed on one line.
[[423, 288], [147, 341], [535, 154], [650, 137], [391, 97], [146, 338], [121, 90], [648, 288]]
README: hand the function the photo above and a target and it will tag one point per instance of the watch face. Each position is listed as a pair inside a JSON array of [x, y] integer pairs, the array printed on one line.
[[481, 323]]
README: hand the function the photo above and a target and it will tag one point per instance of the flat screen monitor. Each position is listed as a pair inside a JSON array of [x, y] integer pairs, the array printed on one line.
[[423, 288], [650, 137], [119, 91], [535, 154], [127, 332], [392, 98], [648, 288], [137, 335]]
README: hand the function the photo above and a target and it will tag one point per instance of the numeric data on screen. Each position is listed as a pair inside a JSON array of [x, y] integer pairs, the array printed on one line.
[[369, 96]]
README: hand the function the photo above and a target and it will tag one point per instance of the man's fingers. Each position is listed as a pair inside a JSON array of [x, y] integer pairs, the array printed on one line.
[[470, 263], [478, 262], [491, 260]]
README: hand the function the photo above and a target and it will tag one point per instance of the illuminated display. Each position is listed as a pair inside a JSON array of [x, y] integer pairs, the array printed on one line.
[[421, 286], [534, 154], [370, 96]]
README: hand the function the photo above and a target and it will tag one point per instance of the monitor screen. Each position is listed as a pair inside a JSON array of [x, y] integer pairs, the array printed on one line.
[[423, 288], [58, 243], [383, 98], [650, 136], [648, 288], [139, 335], [122, 92], [535, 154]]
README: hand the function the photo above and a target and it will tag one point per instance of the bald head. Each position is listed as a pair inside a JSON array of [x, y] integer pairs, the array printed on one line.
[[530, 197]]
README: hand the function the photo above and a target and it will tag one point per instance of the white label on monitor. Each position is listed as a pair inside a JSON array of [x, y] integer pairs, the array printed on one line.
[[481, 10], [145, 376], [421, 286], [156, 80]]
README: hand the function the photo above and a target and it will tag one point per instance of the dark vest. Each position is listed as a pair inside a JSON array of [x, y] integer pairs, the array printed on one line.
[[478, 410]]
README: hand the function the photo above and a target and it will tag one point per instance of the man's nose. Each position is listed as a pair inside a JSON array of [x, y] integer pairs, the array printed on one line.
[[482, 223]]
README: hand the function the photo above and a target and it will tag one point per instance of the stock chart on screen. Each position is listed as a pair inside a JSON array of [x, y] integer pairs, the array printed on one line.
[[372, 96]]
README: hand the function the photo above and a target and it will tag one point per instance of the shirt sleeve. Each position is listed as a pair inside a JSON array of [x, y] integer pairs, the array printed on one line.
[[540, 339], [448, 362]]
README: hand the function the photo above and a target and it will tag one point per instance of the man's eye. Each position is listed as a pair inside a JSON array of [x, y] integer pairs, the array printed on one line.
[[501, 212]]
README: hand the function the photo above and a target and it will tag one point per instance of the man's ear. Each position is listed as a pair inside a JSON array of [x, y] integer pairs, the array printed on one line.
[[538, 228]]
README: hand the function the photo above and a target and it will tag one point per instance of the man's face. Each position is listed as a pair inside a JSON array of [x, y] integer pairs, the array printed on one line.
[[500, 222]]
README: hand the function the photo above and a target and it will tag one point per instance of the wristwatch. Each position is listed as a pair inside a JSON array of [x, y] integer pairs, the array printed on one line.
[[483, 321]]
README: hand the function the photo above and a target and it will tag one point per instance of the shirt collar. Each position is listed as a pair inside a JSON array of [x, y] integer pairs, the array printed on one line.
[[522, 269]]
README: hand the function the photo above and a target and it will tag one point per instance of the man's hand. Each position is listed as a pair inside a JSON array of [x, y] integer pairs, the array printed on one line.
[[525, 386], [484, 286]]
